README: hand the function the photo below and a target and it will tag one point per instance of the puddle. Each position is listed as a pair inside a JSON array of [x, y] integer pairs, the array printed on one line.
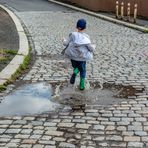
[[74, 97], [29, 99], [43, 97], [92, 95]]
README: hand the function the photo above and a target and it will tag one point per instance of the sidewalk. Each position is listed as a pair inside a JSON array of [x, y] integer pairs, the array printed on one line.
[[107, 17], [140, 21]]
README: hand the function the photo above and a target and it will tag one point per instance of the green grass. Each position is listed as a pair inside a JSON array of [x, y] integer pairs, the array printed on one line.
[[3, 58], [2, 88], [5, 54], [12, 52], [8, 51], [146, 30], [19, 71]]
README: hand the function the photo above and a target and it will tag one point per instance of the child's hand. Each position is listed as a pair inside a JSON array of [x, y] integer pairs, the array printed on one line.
[[63, 40], [93, 45]]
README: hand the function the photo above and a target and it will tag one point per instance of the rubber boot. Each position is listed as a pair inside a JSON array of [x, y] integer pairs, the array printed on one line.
[[82, 83], [73, 77]]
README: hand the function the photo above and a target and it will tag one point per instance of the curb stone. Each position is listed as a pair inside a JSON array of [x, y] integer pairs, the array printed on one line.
[[133, 26], [23, 51]]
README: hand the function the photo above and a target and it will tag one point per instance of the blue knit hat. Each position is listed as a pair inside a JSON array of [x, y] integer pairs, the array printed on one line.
[[81, 24]]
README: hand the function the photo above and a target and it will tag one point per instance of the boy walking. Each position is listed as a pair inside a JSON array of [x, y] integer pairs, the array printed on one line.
[[79, 50]]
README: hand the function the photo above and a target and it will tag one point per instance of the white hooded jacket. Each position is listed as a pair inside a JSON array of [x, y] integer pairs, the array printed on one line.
[[79, 47]]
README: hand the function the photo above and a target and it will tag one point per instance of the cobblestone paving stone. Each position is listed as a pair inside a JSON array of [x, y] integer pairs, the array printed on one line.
[[119, 58]]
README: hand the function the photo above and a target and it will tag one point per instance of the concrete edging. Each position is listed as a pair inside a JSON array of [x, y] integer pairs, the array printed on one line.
[[133, 26], [23, 51]]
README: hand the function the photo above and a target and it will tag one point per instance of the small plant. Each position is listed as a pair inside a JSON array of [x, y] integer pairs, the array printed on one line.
[[8, 51], [2, 57], [2, 88], [13, 52], [146, 30]]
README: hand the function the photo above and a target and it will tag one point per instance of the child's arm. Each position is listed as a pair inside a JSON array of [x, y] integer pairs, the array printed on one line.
[[66, 42], [91, 47]]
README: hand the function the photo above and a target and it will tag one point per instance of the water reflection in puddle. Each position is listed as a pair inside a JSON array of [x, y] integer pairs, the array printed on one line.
[[29, 99]]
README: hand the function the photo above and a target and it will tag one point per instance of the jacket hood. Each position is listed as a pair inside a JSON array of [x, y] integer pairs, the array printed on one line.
[[81, 38]]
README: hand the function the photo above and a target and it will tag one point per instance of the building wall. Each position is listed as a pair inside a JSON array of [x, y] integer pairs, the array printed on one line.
[[109, 5]]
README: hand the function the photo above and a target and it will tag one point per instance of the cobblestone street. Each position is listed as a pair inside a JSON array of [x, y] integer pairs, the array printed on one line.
[[121, 58]]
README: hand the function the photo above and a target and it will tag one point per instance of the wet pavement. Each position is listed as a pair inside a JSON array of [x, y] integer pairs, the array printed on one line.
[[40, 97], [120, 60]]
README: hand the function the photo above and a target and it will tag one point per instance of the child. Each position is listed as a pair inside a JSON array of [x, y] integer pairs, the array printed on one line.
[[79, 49]]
